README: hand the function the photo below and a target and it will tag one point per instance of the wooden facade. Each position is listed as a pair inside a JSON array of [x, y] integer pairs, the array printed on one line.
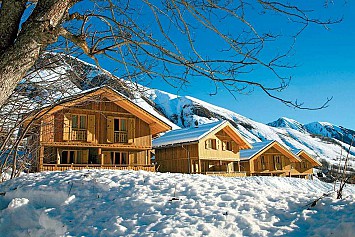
[[98, 129], [270, 158], [304, 169], [213, 153]]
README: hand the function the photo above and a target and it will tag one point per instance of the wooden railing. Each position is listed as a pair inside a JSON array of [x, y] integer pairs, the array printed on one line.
[[63, 167], [226, 174], [121, 137], [78, 134]]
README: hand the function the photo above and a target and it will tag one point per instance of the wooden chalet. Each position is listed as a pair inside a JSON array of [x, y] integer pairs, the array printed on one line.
[[268, 158], [208, 149], [99, 128], [303, 169]]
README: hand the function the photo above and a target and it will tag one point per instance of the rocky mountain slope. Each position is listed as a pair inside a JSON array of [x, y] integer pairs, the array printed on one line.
[[59, 76]]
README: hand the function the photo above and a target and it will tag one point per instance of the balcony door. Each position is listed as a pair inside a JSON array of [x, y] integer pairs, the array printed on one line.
[[119, 158], [120, 130]]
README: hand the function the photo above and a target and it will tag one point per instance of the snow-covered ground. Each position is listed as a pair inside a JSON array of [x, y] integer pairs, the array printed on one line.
[[130, 203]]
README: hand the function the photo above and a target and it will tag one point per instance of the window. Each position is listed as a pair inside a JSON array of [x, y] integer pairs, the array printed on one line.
[[227, 145], [120, 125], [120, 130], [277, 162], [119, 158], [74, 157], [305, 164], [78, 127], [78, 121], [211, 144], [262, 161]]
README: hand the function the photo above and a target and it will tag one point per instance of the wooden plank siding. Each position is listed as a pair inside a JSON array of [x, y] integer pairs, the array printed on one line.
[[209, 155], [266, 164], [95, 151], [52, 128], [176, 159]]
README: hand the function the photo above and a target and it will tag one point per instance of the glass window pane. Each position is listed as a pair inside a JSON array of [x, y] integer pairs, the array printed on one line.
[[75, 121], [83, 121], [124, 159], [116, 125], [79, 157], [123, 124]]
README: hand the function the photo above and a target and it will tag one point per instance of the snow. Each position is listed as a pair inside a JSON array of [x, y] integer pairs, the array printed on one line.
[[185, 135], [138, 203]]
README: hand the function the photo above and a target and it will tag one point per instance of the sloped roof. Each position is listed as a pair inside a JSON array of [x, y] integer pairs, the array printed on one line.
[[303, 153], [257, 147], [194, 134], [261, 147], [157, 124]]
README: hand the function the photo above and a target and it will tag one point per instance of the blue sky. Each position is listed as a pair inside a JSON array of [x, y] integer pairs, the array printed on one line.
[[326, 68]]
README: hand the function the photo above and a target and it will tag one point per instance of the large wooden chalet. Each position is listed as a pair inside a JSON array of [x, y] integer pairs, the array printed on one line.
[[208, 149], [272, 158], [99, 128]]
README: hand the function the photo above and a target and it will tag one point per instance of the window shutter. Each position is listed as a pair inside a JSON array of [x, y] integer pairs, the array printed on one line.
[[235, 147], [91, 128], [66, 127], [131, 130], [110, 129], [224, 145], [85, 158], [107, 157]]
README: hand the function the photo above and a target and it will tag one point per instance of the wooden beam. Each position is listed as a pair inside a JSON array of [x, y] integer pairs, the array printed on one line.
[[87, 144]]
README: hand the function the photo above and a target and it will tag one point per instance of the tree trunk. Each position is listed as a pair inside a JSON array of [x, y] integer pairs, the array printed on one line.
[[39, 30]]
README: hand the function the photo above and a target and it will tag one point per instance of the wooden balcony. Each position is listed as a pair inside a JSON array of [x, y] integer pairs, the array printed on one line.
[[78, 134], [63, 167], [226, 174], [121, 137]]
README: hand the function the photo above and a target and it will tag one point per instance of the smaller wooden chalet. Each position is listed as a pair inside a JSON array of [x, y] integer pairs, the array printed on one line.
[[303, 169], [98, 128], [209, 149], [268, 158]]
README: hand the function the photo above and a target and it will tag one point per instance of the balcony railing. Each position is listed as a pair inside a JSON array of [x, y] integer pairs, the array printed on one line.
[[226, 174], [78, 134], [120, 137], [63, 167]]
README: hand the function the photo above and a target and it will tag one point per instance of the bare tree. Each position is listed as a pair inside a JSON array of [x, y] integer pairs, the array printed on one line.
[[156, 39]]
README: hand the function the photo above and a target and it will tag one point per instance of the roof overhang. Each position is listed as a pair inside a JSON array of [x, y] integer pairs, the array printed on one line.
[[236, 136], [279, 147], [308, 157], [156, 124]]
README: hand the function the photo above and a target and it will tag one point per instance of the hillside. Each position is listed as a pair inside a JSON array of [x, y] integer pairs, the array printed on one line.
[[130, 203], [63, 76]]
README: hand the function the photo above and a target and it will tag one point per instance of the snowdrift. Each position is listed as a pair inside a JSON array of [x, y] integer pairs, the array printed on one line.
[[130, 203]]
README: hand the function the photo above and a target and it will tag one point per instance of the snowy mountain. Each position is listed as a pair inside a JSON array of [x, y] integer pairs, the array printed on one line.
[[322, 140], [138, 203], [287, 123]]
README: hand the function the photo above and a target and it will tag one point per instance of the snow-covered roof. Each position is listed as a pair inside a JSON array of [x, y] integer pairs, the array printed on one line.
[[186, 135], [257, 147], [306, 155], [296, 151], [194, 134]]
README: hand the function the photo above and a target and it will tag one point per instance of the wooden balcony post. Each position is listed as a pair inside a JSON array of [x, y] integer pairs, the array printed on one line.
[[101, 156], [58, 156], [41, 156]]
